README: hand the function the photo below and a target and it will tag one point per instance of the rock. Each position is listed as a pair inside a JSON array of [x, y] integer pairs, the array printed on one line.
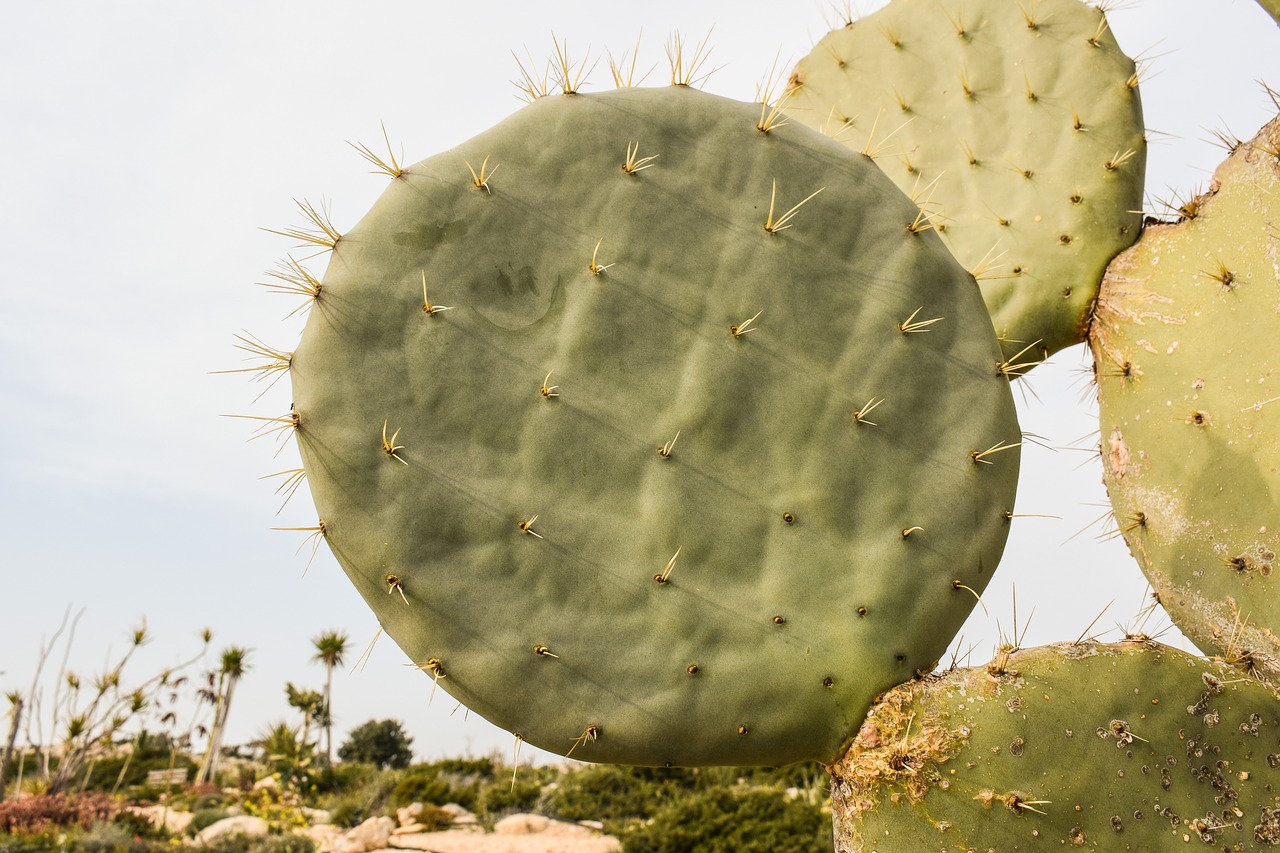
[[229, 826], [459, 815], [266, 782], [323, 834], [316, 816], [373, 834], [409, 829], [598, 826], [521, 824], [162, 817], [535, 824], [409, 814]]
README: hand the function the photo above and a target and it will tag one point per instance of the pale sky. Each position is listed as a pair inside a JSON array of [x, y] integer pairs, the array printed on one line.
[[142, 147]]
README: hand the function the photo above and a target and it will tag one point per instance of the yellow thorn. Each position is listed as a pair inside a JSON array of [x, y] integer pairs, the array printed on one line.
[[980, 455], [912, 325], [389, 446], [631, 165], [390, 167], [427, 307], [481, 180], [774, 227], [594, 267], [527, 526], [860, 416], [742, 328], [662, 577], [548, 391]]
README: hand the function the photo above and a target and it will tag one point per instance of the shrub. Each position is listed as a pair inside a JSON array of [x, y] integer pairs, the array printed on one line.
[[424, 783], [288, 843], [731, 820], [205, 817], [614, 793], [501, 797], [37, 813], [353, 806]]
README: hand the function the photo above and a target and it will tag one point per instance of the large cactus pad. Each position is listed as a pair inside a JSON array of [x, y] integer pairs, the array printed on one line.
[[1021, 125], [663, 485], [1189, 389], [1131, 746]]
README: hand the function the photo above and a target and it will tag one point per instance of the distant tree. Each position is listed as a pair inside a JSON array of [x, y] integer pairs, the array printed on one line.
[[331, 648], [234, 665], [380, 742]]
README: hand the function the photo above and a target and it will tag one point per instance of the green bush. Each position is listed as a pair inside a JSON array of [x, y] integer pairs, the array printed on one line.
[[479, 768], [51, 838], [614, 793], [730, 820], [424, 783], [500, 798], [205, 817], [352, 806], [104, 838], [344, 776], [261, 844]]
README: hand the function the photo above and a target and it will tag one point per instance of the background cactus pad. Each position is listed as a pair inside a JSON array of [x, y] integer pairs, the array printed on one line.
[[685, 473], [1019, 123], [1189, 389]]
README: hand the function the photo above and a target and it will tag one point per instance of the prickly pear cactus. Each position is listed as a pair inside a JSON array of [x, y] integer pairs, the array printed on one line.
[[1272, 7], [1019, 124], [1188, 372], [1132, 746], [654, 437]]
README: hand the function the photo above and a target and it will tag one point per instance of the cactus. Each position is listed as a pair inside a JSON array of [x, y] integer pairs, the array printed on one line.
[[1019, 123], [499, 347], [1272, 8], [1189, 391], [1130, 746]]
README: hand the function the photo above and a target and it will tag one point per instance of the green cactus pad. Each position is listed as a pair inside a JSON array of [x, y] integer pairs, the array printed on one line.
[[1188, 371], [1018, 123], [662, 485], [1132, 746]]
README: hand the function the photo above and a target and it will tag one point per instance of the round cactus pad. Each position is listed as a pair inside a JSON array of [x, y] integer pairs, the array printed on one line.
[[1188, 371], [1131, 746], [653, 437], [1018, 123]]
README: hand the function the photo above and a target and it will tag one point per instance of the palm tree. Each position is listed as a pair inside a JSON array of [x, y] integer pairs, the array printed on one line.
[[331, 647], [310, 703], [234, 665]]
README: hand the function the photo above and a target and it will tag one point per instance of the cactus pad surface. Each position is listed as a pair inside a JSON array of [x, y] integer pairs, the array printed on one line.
[[1019, 123], [1188, 375], [676, 479], [1130, 746]]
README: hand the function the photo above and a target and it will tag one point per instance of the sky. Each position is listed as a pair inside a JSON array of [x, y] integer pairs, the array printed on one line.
[[143, 148]]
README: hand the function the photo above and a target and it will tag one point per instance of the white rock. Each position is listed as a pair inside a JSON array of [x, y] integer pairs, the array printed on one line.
[[409, 814], [161, 817], [373, 834], [229, 826], [316, 816], [535, 824]]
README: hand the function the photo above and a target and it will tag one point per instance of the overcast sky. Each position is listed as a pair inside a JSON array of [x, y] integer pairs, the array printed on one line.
[[142, 147]]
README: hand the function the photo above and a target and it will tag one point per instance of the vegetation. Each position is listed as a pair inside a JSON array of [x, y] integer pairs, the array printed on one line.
[[379, 742], [652, 810]]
